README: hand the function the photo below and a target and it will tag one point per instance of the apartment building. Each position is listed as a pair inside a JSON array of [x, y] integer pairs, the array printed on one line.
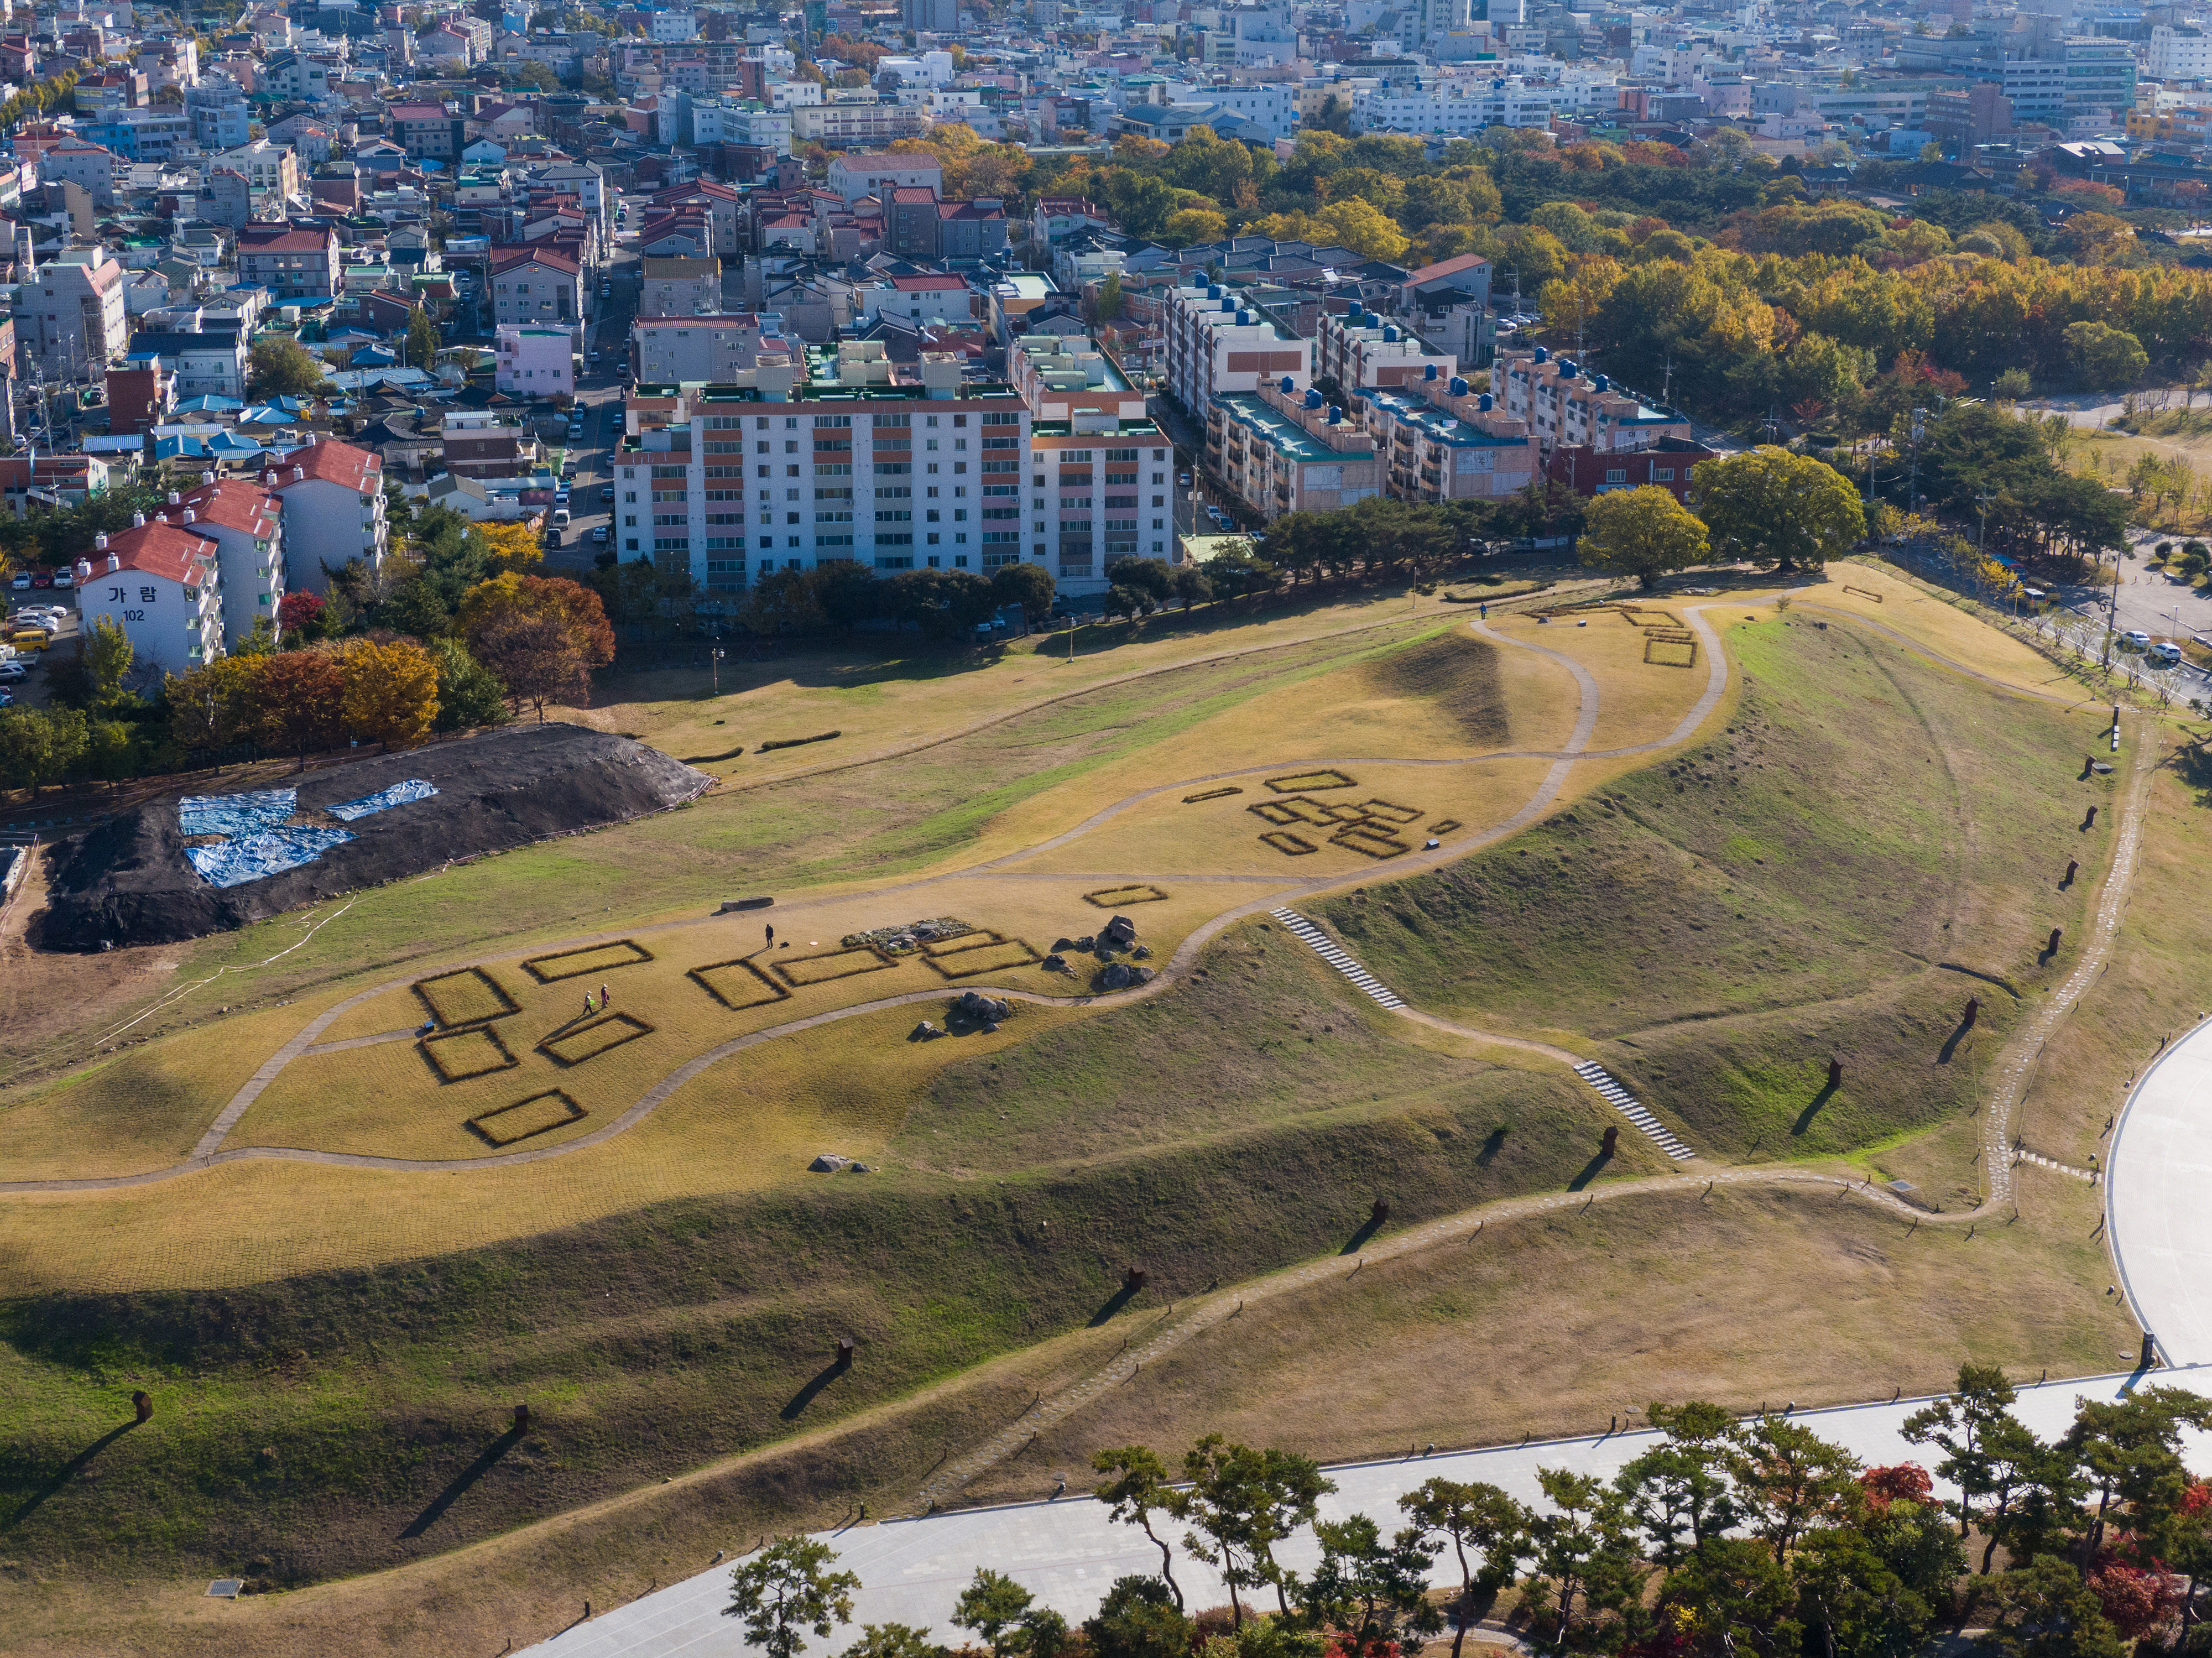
[[333, 512], [483, 443], [832, 456], [163, 586], [1563, 405], [680, 287], [1213, 346], [246, 523], [1665, 465], [1283, 450], [76, 320], [535, 362], [293, 263], [1359, 349], [428, 130], [536, 285], [1440, 440], [856, 125], [1090, 477], [679, 351]]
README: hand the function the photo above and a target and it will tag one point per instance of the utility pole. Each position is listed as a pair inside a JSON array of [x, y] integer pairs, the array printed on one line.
[[1919, 430]]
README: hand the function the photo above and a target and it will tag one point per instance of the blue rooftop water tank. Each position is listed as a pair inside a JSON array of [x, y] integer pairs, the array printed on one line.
[[1567, 368], [1285, 385], [1213, 292], [1458, 386], [1600, 382], [1335, 415], [1428, 371], [1357, 312], [1313, 399], [1228, 305], [1543, 353], [1244, 318], [1485, 403]]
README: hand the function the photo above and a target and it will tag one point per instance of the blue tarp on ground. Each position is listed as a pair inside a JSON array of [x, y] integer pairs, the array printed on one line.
[[235, 814], [414, 788], [253, 857]]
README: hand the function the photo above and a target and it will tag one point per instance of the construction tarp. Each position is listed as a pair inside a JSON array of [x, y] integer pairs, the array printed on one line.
[[253, 857], [414, 789], [235, 814]]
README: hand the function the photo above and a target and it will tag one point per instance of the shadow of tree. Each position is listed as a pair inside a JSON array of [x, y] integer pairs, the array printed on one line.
[[69, 1471], [799, 1401], [1590, 1171], [1357, 1241], [1812, 1110], [1114, 1304], [487, 1460]]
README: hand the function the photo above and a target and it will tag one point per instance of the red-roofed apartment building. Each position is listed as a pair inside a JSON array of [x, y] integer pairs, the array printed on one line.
[[293, 263], [246, 523], [76, 318], [333, 511], [161, 585], [536, 285]]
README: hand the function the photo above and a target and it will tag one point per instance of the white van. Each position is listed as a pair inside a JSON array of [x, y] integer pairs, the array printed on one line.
[[560, 517]]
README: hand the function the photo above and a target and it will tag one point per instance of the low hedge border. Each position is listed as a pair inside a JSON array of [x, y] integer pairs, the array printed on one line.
[[535, 966], [480, 1126], [1299, 781], [795, 742], [429, 1045], [426, 995], [1290, 845], [1140, 892], [1210, 795], [877, 961], [776, 993], [949, 969], [635, 1028]]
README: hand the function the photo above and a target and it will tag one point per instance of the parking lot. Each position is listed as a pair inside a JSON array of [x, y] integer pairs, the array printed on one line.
[[52, 612]]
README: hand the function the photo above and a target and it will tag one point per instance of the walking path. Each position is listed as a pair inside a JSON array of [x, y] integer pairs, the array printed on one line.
[[1326, 948], [1068, 1552]]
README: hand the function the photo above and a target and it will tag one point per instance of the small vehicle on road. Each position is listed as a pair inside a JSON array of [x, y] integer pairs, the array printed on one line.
[[2137, 638]]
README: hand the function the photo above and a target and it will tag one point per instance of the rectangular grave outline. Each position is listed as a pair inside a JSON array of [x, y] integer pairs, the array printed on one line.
[[1391, 812], [1368, 841], [882, 959], [476, 1124], [981, 939], [535, 963], [638, 1028], [1295, 782], [507, 1004], [485, 1029], [1630, 613], [1664, 644], [1104, 897], [1445, 826], [776, 993], [1023, 945], [1290, 845], [1210, 795]]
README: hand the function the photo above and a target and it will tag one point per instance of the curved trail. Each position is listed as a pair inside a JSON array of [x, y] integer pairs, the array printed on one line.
[[2013, 1064], [208, 1152]]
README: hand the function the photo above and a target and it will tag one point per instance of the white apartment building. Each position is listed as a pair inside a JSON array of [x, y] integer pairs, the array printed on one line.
[[245, 524], [1564, 406], [332, 496], [826, 457], [1465, 108], [161, 585], [1273, 107], [702, 350], [535, 360], [852, 126], [2180, 53], [1359, 349], [76, 320], [1214, 347]]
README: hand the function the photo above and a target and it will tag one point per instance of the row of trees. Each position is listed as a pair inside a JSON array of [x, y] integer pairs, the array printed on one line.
[[1725, 1537], [1767, 507]]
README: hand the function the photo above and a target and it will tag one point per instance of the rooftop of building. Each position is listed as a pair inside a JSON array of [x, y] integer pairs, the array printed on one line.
[[1436, 424], [1254, 412]]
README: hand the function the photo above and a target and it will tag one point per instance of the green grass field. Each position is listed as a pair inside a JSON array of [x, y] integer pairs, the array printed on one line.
[[336, 1353]]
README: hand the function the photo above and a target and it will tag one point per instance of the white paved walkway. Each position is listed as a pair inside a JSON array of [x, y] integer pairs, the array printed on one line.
[[2155, 1199], [1067, 1553]]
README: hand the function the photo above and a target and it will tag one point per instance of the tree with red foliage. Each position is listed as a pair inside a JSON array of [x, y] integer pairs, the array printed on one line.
[[300, 613], [2137, 1599], [297, 701], [1906, 1482]]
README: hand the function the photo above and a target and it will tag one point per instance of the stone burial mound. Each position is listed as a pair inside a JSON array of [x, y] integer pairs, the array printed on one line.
[[186, 864]]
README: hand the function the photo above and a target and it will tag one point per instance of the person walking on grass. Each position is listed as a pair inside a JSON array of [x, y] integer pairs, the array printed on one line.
[[771, 935], [603, 999], [588, 1004]]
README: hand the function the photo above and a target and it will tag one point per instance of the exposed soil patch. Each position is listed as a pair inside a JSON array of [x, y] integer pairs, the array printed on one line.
[[127, 882]]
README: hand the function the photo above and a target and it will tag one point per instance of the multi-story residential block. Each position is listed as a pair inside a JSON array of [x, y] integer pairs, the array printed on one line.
[[1090, 475], [1283, 452], [163, 585], [246, 523], [76, 320], [535, 360], [847, 126], [682, 350], [1439, 441], [208, 363], [292, 262], [1665, 463], [1213, 346], [1359, 349], [680, 287], [1563, 405], [831, 457], [878, 175], [333, 511], [924, 296], [535, 284], [265, 165], [483, 443], [427, 131], [90, 167], [2179, 51], [142, 134], [220, 116]]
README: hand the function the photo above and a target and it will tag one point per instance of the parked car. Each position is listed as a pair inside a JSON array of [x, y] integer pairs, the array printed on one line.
[[42, 578], [560, 517], [2137, 638], [7, 700], [600, 536], [11, 672], [2164, 654], [607, 495], [29, 639], [21, 581], [64, 577], [552, 537]]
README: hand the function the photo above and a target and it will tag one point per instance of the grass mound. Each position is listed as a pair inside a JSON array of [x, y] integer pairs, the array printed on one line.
[[1459, 674], [1735, 915]]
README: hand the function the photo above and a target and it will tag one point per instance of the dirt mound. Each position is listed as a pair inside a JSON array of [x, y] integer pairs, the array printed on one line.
[[1456, 672], [128, 881]]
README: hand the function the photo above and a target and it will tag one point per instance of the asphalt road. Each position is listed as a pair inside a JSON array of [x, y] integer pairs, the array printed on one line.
[[1067, 1553]]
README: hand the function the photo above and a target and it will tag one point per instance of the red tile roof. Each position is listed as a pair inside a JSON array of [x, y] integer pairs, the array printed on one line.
[[504, 259], [285, 238], [155, 549], [1429, 273], [235, 505], [329, 463]]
